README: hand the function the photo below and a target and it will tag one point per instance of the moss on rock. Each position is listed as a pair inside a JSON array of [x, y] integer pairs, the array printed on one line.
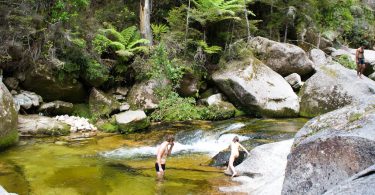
[[134, 126], [8, 119]]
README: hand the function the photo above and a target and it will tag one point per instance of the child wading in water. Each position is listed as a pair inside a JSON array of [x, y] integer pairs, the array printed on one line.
[[161, 155], [234, 153]]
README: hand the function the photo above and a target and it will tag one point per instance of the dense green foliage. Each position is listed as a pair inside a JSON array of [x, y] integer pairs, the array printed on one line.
[[99, 44], [346, 61]]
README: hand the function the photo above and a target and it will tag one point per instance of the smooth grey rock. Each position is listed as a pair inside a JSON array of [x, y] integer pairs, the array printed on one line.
[[142, 95], [124, 107], [131, 121], [56, 108], [283, 58], [257, 88], [318, 57], [331, 148], [122, 91], [262, 173], [294, 80], [331, 87], [8, 118], [360, 183], [37, 125], [214, 99], [11, 83], [101, 104], [26, 100]]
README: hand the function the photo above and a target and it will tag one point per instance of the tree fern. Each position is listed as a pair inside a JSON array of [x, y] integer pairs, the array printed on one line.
[[124, 44]]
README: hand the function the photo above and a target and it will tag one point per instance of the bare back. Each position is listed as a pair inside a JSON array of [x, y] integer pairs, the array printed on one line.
[[162, 152], [234, 146]]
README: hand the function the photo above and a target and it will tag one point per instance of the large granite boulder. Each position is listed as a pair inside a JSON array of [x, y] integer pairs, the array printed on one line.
[[283, 58], [331, 148], [318, 57], [262, 173], [35, 125], [8, 118], [257, 88], [360, 183], [27, 100], [101, 104], [131, 121], [56, 108], [189, 85], [43, 80], [142, 95], [222, 159], [331, 87]]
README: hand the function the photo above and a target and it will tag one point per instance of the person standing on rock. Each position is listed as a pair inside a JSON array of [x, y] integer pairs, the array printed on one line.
[[360, 60], [163, 151], [234, 153]]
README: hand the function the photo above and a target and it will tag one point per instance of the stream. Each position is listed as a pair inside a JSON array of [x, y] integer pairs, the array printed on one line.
[[124, 164]]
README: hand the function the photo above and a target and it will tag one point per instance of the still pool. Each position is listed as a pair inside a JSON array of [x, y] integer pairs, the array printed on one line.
[[124, 164]]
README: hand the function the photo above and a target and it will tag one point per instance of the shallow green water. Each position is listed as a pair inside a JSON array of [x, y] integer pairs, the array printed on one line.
[[49, 166]]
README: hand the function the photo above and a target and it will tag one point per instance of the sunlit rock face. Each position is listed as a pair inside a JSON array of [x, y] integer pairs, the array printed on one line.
[[257, 88]]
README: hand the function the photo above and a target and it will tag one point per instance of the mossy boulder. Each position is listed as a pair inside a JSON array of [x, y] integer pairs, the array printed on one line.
[[108, 126], [257, 89], [331, 148], [220, 111], [283, 58], [102, 104], [331, 87], [131, 121], [42, 79], [8, 118], [36, 125]]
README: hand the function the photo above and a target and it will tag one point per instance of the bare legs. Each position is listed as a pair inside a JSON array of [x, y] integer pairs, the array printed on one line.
[[230, 164], [360, 69]]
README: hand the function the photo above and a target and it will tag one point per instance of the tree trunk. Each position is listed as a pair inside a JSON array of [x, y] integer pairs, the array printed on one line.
[[247, 23], [271, 16], [286, 32], [318, 44], [145, 17], [187, 22]]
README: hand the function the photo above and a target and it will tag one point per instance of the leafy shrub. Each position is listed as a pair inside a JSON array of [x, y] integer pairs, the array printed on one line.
[[175, 108], [81, 110], [158, 30], [63, 10], [346, 61]]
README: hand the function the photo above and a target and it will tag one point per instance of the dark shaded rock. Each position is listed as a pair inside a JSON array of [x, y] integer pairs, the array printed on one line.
[[331, 87], [331, 148], [283, 58], [257, 89], [189, 85], [360, 183], [11, 83], [42, 79], [8, 118], [56, 108], [102, 104], [222, 158]]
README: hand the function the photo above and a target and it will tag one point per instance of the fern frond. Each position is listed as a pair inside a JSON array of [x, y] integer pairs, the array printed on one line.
[[128, 34], [136, 42], [116, 45]]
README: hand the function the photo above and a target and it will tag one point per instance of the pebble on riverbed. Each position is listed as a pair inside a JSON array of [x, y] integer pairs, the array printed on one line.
[[77, 123]]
